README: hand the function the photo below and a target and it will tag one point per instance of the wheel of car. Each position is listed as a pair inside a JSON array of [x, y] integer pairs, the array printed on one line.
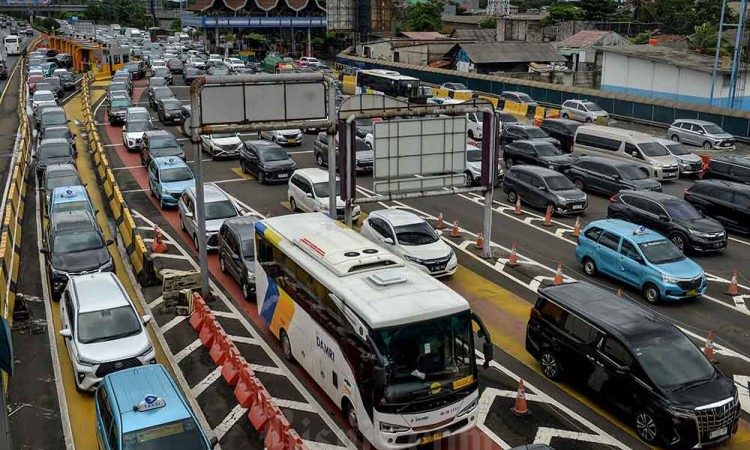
[[246, 294], [468, 179], [651, 293], [707, 145], [351, 415], [645, 171], [161, 117], [565, 115], [286, 346], [675, 138], [319, 159], [678, 239], [261, 177], [162, 205], [550, 365], [589, 266], [222, 264], [471, 134], [512, 197], [293, 204], [369, 146], [645, 426], [589, 120], [580, 184]]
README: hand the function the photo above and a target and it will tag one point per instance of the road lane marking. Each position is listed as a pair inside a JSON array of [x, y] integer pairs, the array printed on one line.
[[172, 323], [228, 422], [206, 382], [182, 354], [245, 176]]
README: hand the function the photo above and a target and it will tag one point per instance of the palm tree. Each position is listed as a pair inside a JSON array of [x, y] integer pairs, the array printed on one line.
[[703, 40]]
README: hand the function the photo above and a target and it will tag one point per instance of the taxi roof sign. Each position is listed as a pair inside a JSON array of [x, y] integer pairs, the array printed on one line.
[[640, 230], [149, 402]]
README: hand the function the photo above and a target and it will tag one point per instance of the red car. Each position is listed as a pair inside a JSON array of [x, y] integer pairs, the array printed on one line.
[[33, 80]]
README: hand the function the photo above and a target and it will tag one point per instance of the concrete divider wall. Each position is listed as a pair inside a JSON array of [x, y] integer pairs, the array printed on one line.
[[631, 107], [131, 238]]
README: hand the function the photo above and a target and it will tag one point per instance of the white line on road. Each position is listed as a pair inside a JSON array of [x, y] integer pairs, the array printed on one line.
[[234, 415], [206, 382], [182, 354], [173, 323]]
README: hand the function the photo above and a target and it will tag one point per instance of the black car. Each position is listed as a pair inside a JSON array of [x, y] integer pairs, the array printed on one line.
[[53, 151], [158, 143], [117, 109], [636, 361], [67, 80], [160, 93], [163, 72], [564, 130], [75, 246], [266, 160], [363, 153], [609, 176], [169, 110], [540, 187], [513, 133], [175, 66], [728, 168], [536, 153], [3, 70], [726, 201], [59, 132], [191, 73], [236, 252], [673, 217], [137, 69]]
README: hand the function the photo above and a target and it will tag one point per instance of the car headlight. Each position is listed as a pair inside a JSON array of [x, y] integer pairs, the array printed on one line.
[[250, 275], [681, 412], [391, 428], [58, 273], [698, 233], [561, 199], [146, 351], [413, 259], [86, 362], [668, 279], [657, 164], [551, 166]]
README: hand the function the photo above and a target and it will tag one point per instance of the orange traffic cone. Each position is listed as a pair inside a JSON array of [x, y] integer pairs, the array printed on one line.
[[480, 241], [513, 259], [440, 222], [548, 217], [454, 230], [577, 227], [708, 349], [733, 288], [520, 408], [619, 292], [158, 245], [558, 275], [518, 211]]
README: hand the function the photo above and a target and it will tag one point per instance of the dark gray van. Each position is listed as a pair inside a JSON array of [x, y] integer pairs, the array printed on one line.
[[236, 252]]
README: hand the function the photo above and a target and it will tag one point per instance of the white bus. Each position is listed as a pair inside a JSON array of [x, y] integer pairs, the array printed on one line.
[[12, 45], [390, 345]]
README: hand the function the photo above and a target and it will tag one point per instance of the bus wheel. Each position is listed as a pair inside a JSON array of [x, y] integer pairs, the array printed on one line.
[[350, 414], [286, 346]]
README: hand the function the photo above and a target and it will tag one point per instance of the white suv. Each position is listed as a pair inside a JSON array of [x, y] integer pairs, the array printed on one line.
[[219, 207], [309, 192], [102, 329]]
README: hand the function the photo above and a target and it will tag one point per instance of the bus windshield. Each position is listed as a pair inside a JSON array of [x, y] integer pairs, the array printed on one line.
[[429, 356], [407, 88]]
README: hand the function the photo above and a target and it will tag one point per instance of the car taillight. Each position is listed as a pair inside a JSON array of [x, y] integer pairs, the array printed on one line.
[[613, 199], [534, 314]]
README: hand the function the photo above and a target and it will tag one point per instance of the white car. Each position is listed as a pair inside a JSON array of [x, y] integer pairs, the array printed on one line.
[[221, 145], [310, 61], [102, 330], [474, 167], [584, 111], [197, 63], [412, 238], [474, 125], [234, 63], [137, 113], [132, 134], [309, 191], [157, 63], [214, 58], [283, 137], [42, 99], [218, 206]]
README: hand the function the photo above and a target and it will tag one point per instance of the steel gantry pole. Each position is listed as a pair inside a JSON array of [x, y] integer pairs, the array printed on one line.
[[718, 53], [332, 114]]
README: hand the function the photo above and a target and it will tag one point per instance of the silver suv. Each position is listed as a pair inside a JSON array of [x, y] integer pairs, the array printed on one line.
[[218, 206], [701, 133], [584, 111]]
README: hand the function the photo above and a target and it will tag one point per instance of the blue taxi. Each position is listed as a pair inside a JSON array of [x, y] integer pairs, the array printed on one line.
[[641, 258], [142, 409], [168, 176], [70, 198]]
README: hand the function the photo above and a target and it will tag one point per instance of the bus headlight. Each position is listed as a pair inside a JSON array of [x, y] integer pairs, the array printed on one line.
[[391, 428]]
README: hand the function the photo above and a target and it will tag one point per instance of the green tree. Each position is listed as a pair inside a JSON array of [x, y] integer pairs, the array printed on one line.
[[682, 16], [489, 22], [704, 38], [425, 16], [562, 12], [598, 9]]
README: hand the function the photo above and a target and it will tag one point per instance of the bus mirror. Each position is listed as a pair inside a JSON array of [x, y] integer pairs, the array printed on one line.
[[488, 352], [379, 377]]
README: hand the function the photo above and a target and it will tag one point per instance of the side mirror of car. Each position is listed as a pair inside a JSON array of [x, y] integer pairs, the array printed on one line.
[[109, 242], [388, 241], [308, 194], [616, 176], [44, 250], [438, 231], [146, 318], [214, 441], [543, 188], [189, 215], [124, 129], [663, 218], [623, 370], [235, 257], [65, 332]]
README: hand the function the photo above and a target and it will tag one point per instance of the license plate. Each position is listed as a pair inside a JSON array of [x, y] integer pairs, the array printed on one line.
[[438, 268], [713, 434], [577, 206], [283, 175], [692, 292], [290, 141], [430, 438]]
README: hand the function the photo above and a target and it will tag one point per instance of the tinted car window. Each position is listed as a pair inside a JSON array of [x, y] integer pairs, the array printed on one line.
[[617, 352], [593, 233], [629, 250], [741, 172], [742, 200], [719, 167], [551, 312], [609, 240], [597, 141], [580, 330]]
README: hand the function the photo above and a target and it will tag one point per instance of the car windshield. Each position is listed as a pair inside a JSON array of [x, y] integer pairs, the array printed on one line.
[[456, 86], [121, 103], [118, 87], [661, 251], [44, 97], [133, 66], [161, 72], [162, 142], [157, 81], [322, 189], [220, 71], [592, 107], [632, 173], [222, 209], [138, 126], [416, 234], [108, 325], [54, 118], [223, 135], [678, 149], [653, 149], [273, 154], [525, 98], [426, 357], [546, 149], [182, 434], [66, 76], [474, 155], [55, 150], [559, 183], [172, 104], [713, 129], [681, 210], [176, 174], [535, 133], [79, 241], [671, 360], [81, 205], [66, 180]]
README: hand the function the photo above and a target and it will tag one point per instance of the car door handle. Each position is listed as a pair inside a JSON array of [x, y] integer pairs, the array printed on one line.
[[590, 358], [599, 363]]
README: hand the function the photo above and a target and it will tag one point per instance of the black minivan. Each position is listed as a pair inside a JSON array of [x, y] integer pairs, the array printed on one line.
[[725, 201], [634, 360], [541, 187], [609, 176], [564, 130], [236, 252], [729, 168]]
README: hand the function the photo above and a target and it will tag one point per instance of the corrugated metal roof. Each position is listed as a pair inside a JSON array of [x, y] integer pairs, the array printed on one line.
[[585, 38], [688, 59], [512, 52], [423, 35], [475, 34]]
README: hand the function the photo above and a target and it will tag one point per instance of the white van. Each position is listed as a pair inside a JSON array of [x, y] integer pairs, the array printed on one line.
[[12, 45], [633, 146]]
